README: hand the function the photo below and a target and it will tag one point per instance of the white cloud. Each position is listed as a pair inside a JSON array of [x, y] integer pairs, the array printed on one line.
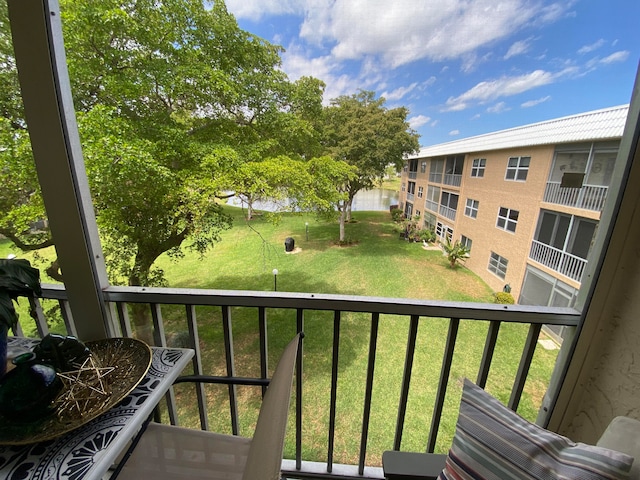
[[590, 48], [297, 64], [498, 108], [403, 31], [453, 133], [620, 56], [518, 48], [505, 86], [418, 121], [533, 103], [257, 9], [398, 93]]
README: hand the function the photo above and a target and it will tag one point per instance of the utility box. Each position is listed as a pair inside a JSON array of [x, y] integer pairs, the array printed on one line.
[[289, 244]]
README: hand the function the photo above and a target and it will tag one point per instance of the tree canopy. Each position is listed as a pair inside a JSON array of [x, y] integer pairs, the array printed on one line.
[[177, 105], [361, 131]]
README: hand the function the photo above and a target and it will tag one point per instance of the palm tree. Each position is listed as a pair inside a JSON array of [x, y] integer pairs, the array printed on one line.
[[455, 252]]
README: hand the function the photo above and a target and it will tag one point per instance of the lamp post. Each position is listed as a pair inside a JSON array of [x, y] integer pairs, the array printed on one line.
[[275, 279], [306, 229]]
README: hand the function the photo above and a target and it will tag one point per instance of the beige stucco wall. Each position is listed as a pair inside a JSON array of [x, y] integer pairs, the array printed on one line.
[[493, 192]]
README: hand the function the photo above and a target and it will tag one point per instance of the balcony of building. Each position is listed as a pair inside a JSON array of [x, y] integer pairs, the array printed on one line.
[[588, 197], [595, 377], [315, 314], [448, 212], [431, 205], [565, 263], [452, 179]]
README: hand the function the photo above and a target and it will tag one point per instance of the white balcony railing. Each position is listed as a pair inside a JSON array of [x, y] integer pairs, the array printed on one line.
[[410, 197], [431, 205], [321, 314], [448, 212], [589, 197], [453, 179], [413, 175], [562, 262], [435, 177]]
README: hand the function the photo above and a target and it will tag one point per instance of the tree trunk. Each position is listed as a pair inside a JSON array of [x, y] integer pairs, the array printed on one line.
[[140, 315], [249, 210], [343, 215], [348, 209]]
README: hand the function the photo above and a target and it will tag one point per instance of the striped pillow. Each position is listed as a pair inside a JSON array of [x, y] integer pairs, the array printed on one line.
[[493, 442]]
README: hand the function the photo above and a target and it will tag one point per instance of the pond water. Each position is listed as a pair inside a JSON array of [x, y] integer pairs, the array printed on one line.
[[365, 200]]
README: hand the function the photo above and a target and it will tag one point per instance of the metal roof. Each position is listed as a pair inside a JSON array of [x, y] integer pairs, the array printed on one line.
[[607, 123]]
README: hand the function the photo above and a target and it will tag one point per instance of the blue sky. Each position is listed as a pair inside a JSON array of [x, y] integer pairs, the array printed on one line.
[[461, 67]]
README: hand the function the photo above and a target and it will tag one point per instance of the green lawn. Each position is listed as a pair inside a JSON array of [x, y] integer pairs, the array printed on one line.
[[378, 263]]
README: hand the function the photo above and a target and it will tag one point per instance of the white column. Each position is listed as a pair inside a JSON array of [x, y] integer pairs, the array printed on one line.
[[46, 92]]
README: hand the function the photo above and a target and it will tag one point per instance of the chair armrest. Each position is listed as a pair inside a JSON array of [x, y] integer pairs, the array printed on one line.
[[412, 465]]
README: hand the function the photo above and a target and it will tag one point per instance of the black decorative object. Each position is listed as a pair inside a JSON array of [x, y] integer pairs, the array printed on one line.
[[26, 392], [63, 353], [289, 244], [17, 279]]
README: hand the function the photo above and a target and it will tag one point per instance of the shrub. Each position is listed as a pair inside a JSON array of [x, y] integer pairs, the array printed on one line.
[[397, 215], [427, 235], [503, 297]]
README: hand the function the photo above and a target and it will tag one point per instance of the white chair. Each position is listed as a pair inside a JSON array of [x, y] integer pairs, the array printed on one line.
[[172, 453]]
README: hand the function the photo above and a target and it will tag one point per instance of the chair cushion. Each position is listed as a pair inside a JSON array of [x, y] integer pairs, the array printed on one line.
[[493, 442], [623, 435]]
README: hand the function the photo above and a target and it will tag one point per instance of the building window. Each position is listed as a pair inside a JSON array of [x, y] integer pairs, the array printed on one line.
[[466, 241], [471, 209], [423, 167], [430, 221], [420, 192], [448, 205], [498, 265], [507, 219], [433, 198], [444, 232], [408, 210], [453, 170], [477, 169], [412, 188], [404, 187], [436, 170], [518, 168], [417, 214]]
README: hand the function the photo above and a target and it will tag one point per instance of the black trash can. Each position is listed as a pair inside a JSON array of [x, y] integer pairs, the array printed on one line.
[[289, 244]]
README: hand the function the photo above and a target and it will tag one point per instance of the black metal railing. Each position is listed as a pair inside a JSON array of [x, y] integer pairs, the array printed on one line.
[[371, 310]]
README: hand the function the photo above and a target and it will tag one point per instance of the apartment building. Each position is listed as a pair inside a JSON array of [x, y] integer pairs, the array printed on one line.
[[526, 201]]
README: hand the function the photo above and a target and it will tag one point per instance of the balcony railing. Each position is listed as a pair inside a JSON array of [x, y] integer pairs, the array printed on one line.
[[562, 262], [329, 317], [431, 205], [413, 175], [448, 212], [453, 179], [435, 177], [589, 197]]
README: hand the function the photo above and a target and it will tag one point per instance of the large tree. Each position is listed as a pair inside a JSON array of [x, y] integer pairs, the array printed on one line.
[[360, 130], [188, 95]]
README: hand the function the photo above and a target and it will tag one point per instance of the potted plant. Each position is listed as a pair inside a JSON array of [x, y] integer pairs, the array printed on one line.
[[17, 279]]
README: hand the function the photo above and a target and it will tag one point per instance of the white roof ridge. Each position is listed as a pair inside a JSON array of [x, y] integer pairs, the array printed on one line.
[[574, 128]]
